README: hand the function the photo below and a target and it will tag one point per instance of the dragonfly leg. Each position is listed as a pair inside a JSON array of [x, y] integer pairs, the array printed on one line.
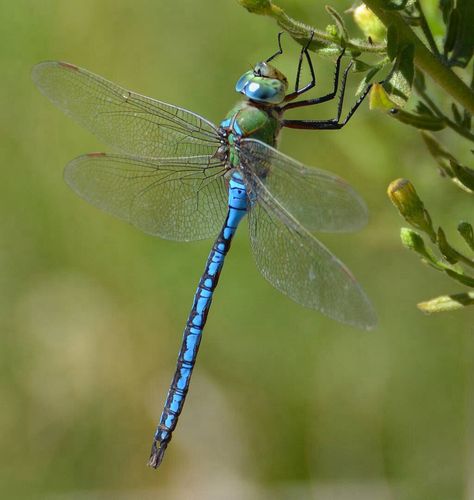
[[316, 100], [312, 83], [334, 124], [279, 51]]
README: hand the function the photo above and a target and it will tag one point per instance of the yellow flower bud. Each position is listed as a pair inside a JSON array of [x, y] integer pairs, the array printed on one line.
[[369, 23], [257, 6], [403, 195]]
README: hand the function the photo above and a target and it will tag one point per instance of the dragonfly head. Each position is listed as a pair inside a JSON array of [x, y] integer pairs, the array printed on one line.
[[264, 83]]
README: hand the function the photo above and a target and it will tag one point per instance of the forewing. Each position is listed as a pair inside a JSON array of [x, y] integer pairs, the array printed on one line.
[[298, 265], [129, 122], [319, 200], [178, 199]]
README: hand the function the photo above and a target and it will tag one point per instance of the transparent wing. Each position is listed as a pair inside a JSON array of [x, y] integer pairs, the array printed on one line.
[[179, 198], [319, 200], [298, 265], [128, 122]]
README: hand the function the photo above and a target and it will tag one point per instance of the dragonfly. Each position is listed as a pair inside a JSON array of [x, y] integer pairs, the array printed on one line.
[[178, 176]]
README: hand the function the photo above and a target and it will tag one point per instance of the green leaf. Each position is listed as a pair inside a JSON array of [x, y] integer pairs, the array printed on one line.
[[392, 42], [458, 118], [467, 120], [446, 7], [459, 40], [467, 232], [397, 4], [450, 253], [462, 278], [442, 157], [341, 26], [465, 175], [419, 81], [451, 31], [414, 241], [367, 79], [422, 109], [445, 303], [400, 80], [361, 66]]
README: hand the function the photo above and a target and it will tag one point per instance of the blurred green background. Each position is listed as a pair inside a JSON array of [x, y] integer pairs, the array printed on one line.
[[284, 403]]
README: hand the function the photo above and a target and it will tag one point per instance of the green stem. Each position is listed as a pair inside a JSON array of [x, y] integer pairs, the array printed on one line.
[[302, 32], [424, 59]]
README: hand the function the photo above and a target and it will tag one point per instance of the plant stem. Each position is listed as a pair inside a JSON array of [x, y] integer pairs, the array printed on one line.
[[424, 59], [302, 32]]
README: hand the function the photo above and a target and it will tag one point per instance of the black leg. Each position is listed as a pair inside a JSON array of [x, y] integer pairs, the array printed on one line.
[[279, 51], [333, 124], [317, 100], [312, 83]]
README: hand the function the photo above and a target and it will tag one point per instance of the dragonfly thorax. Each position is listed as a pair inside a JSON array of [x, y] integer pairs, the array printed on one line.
[[247, 120], [264, 84]]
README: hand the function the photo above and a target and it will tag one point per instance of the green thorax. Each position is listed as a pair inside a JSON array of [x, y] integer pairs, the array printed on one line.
[[246, 119]]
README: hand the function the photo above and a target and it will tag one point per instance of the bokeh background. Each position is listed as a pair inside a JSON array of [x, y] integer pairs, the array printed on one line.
[[284, 403]]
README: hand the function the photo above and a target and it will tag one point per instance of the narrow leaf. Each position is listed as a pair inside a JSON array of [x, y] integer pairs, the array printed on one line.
[[441, 156], [451, 31], [450, 253], [462, 278], [361, 66], [465, 175], [467, 120], [392, 41], [456, 114], [462, 48], [422, 109], [414, 241], [467, 232], [400, 80], [419, 81], [446, 7], [367, 79], [341, 26], [397, 4]]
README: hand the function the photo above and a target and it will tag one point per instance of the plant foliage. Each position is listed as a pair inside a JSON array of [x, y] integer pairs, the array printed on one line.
[[398, 47]]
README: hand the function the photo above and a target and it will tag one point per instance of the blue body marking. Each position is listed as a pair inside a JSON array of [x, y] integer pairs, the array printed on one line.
[[237, 209]]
